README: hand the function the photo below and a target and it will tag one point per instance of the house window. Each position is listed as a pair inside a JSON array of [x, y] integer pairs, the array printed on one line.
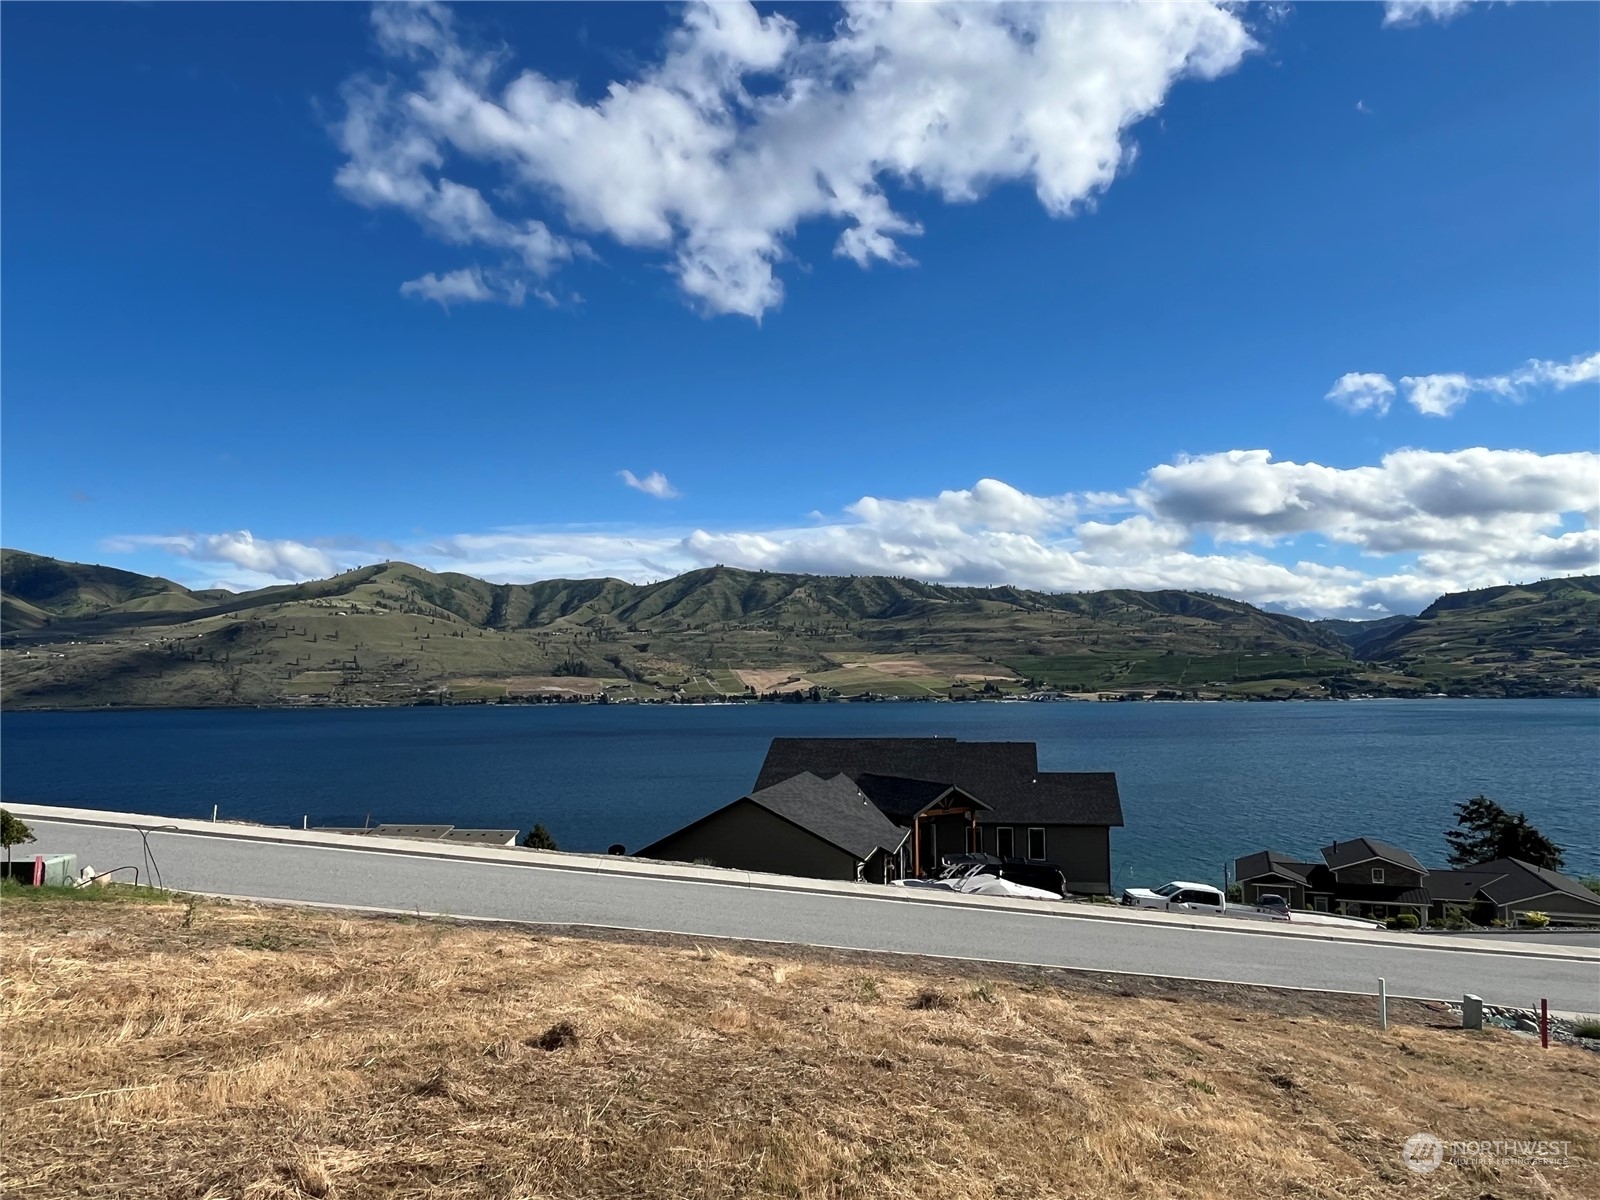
[[1036, 843], [1005, 841], [1377, 874]]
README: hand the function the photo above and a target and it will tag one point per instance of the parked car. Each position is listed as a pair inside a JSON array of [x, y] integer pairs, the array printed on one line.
[[1178, 896]]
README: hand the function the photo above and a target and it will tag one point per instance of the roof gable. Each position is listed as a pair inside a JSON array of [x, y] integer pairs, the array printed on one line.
[[1363, 849], [1005, 776], [835, 810], [1270, 862], [901, 799]]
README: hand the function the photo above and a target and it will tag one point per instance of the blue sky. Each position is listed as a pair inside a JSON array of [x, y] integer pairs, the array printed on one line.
[[978, 295]]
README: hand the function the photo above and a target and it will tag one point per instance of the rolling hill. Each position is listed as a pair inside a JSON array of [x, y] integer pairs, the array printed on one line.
[[86, 636]]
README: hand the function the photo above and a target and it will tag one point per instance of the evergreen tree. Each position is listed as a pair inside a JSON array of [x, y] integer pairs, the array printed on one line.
[[1485, 831], [538, 838], [1518, 839]]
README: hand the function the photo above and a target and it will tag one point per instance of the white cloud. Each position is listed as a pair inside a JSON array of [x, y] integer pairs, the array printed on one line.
[[1412, 12], [1437, 395], [268, 560], [465, 286], [743, 128], [1361, 393], [654, 484], [1420, 523], [1441, 395]]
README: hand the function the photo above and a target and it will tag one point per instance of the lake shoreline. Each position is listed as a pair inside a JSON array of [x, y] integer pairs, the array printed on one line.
[[585, 701]]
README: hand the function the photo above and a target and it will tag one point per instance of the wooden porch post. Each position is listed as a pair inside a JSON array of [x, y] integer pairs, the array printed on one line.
[[973, 844], [916, 846]]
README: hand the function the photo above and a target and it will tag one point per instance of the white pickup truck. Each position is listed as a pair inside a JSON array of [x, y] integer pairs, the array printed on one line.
[[1183, 896]]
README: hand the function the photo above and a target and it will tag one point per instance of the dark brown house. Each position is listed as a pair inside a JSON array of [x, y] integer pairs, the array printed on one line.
[[1015, 810], [885, 808]]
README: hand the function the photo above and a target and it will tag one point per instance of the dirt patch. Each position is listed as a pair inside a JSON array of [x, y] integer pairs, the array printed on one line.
[[774, 681], [533, 685], [216, 1049]]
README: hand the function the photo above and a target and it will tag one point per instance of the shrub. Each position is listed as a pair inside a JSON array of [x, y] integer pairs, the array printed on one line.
[[1536, 919], [1454, 918], [1405, 920], [932, 998], [1586, 1027]]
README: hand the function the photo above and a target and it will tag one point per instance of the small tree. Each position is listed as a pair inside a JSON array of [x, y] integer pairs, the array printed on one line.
[[13, 832], [1486, 831], [538, 838]]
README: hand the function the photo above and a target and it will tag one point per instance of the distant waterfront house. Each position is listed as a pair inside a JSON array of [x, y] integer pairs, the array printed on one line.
[[1511, 887], [1268, 873], [897, 806], [1369, 878]]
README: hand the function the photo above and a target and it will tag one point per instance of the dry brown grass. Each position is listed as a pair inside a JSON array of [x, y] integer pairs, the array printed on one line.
[[232, 1051]]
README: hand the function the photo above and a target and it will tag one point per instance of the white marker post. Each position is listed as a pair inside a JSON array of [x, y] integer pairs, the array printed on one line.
[[1383, 1004], [213, 812]]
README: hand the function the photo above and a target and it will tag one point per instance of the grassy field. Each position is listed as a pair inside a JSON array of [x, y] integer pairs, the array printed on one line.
[[205, 1049]]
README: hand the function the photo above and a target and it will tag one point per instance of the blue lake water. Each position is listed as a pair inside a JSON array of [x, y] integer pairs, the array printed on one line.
[[1201, 783]]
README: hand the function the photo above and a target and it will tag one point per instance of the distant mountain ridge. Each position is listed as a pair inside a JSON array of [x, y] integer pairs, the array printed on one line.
[[396, 633]]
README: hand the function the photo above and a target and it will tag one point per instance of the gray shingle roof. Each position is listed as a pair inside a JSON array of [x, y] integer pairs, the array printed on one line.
[[1460, 887], [1356, 850], [482, 837], [1003, 775], [1270, 862], [429, 833], [832, 809], [1518, 881]]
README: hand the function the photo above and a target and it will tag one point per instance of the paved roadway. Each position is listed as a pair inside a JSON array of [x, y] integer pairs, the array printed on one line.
[[464, 888]]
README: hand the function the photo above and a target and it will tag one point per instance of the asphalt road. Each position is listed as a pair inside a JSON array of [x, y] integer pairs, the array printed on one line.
[[407, 882]]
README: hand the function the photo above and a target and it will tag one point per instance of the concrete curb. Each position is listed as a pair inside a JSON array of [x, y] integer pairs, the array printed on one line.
[[599, 864]]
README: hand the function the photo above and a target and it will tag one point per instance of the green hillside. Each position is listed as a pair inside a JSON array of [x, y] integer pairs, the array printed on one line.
[[38, 590], [393, 633], [1527, 639], [1358, 635]]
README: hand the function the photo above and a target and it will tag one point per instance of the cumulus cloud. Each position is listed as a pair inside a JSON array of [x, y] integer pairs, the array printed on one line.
[[743, 127], [269, 560], [1238, 523], [1362, 393], [654, 484], [1414, 12], [1441, 395]]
